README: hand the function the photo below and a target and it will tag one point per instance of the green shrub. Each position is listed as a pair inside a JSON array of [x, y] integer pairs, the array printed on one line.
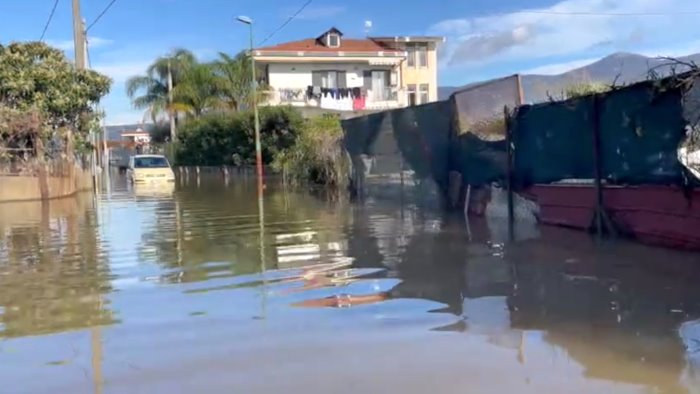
[[317, 156], [585, 89], [229, 138]]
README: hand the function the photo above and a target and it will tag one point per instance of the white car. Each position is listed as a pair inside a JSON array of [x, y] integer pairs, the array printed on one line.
[[149, 169]]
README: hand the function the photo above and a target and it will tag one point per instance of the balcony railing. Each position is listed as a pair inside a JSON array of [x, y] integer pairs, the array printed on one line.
[[381, 99]]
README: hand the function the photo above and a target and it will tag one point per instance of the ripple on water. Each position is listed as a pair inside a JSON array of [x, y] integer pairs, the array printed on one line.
[[185, 279]]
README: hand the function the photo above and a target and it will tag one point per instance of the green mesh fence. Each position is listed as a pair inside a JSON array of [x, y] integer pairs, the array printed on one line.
[[478, 148], [640, 127], [554, 141], [423, 134], [401, 153], [480, 162], [641, 130]]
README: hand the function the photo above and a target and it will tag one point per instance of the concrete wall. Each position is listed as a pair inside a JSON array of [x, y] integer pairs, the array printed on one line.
[[30, 188], [33, 212]]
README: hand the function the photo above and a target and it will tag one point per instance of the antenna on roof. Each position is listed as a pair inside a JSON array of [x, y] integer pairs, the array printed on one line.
[[368, 27]]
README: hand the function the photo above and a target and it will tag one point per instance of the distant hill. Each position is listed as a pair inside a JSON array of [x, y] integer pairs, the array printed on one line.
[[622, 67]]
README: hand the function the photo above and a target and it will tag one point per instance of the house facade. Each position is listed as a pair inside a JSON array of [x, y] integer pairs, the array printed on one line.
[[343, 74]]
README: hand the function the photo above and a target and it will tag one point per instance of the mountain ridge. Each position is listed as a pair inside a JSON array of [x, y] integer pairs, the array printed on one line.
[[619, 68]]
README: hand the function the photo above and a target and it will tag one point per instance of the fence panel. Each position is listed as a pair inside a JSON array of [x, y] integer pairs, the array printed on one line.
[[401, 154]]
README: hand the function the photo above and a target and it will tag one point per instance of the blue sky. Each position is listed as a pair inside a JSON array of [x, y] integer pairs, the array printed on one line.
[[485, 38]]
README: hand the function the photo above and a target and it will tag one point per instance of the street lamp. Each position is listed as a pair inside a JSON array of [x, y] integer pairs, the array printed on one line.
[[258, 149], [258, 163]]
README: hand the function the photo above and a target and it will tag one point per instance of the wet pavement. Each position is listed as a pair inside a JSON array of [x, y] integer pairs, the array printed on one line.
[[181, 290]]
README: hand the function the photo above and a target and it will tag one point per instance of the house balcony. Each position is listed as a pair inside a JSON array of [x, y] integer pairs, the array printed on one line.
[[349, 99]]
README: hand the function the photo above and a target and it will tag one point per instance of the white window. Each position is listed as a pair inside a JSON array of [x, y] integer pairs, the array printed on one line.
[[329, 80], [424, 93], [412, 98], [417, 54], [411, 52], [379, 85], [333, 40], [422, 55]]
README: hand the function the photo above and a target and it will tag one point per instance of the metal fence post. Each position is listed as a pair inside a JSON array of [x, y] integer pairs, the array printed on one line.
[[509, 172]]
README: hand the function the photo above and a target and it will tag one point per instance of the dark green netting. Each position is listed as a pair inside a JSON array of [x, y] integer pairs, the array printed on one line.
[[479, 162], [423, 134], [640, 132], [554, 141], [641, 127], [401, 148], [360, 131]]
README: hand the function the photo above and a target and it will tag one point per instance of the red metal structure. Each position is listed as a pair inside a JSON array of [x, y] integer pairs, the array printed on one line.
[[659, 215]]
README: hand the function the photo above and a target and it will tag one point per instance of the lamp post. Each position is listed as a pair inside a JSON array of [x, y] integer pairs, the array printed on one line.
[[258, 163], [258, 149]]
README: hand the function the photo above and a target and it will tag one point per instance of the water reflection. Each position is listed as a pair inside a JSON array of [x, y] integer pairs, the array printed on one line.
[[174, 280], [53, 275]]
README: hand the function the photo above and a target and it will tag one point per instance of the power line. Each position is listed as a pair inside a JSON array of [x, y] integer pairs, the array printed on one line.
[[87, 53], [591, 13], [286, 22], [48, 22], [111, 3]]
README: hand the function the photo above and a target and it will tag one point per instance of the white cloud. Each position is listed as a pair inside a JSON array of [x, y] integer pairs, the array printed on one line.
[[559, 68], [113, 118], [64, 45], [674, 50], [98, 42], [67, 45], [121, 71], [562, 30]]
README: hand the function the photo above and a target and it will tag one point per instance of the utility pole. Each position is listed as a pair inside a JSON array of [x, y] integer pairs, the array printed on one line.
[[93, 134], [78, 36], [173, 131]]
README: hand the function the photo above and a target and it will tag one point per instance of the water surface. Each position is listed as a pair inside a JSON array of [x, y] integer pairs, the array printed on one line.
[[181, 290]]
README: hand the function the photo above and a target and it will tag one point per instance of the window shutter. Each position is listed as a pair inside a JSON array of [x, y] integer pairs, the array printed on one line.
[[316, 78], [367, 79], [342, 79], [387, 78]]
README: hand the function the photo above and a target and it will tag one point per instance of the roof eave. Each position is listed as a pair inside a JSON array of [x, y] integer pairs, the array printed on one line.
[[339, 54], [436, 39]]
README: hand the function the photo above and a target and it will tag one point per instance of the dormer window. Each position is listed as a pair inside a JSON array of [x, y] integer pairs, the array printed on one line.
[[330, 38], [333, 40]]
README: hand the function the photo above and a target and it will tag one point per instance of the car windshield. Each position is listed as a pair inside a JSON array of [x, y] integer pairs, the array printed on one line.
[[150, 162]]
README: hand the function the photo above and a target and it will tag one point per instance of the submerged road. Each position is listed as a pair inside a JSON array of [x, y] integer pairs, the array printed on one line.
[[177, 289]]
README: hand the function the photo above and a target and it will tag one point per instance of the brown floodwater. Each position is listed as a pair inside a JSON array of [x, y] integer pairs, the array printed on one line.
[[181, 290]]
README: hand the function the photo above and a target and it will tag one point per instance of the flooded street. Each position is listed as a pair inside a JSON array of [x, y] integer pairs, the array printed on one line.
[[182, 291]]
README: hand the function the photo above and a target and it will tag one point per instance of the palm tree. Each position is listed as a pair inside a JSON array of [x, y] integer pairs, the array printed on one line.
[[234, 79], [197, 91], [234, 75], [154, 84]]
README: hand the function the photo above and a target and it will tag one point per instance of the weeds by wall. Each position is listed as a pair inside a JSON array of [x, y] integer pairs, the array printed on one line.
[[317, 154]]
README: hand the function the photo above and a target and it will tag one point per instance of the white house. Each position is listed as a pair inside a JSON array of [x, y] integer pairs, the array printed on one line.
[[334, 72]]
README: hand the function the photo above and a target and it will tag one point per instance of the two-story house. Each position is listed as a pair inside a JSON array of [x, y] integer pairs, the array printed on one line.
[[338, 73]]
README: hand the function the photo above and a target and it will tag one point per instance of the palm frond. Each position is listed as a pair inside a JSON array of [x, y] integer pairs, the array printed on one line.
[[136, 83]]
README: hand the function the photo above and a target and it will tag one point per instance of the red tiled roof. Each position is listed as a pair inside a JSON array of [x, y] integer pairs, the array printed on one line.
[[313, 45]]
